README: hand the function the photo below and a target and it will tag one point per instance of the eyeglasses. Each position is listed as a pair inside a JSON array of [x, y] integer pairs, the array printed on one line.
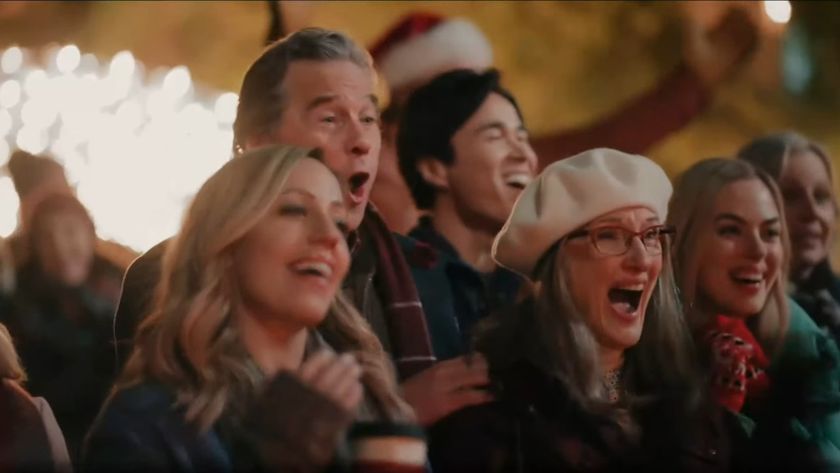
[[615, 241]]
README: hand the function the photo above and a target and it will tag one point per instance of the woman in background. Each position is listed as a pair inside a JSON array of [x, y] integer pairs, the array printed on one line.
[[62, 315], [805, 176]]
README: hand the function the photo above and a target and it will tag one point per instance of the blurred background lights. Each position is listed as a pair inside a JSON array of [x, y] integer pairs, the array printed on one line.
[[35, 82], [5, 151], [11, 60], [88, 62], [31, 139], [122, 64], [135, 149], [68, 59], [798, 66], [9, 93], [5, 123], [8, 205], [779, 11], [177, 82], [38, 113], [225, 108]]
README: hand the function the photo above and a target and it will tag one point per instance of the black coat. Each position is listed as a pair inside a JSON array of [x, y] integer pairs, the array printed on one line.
[[288, 427], [138, 287], [535, 426], [63, 337], [139, 430]]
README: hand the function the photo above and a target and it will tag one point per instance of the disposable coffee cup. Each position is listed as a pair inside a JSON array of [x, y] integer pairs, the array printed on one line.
[[383, 447]]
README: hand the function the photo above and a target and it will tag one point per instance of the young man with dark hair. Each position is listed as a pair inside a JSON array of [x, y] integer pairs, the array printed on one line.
[[465, 155], [422, 45]]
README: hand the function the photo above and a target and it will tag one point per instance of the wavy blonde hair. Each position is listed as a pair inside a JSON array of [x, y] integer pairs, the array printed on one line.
[[691, 208], [189, 341]]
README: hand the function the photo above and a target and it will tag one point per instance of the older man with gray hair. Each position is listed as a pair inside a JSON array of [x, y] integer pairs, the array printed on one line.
[[315, 88]]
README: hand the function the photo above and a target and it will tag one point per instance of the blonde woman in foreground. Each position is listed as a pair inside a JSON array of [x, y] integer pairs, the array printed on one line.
[[250, 359]]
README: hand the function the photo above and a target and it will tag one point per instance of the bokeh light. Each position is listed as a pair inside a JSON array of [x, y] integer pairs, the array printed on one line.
[[135, 149], [779, 11], [11, 60], [225, 108], [9, 93], [8, 205], [68, 59]]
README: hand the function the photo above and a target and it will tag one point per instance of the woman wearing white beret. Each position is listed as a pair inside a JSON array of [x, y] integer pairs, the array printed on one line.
[[596, 369]]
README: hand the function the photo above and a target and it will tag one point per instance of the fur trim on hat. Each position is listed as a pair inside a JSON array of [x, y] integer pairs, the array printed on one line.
[[452, 44]]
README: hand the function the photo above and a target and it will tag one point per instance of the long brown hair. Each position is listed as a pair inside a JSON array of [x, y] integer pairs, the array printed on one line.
[[189, 342], [690, 210], [557, 338]]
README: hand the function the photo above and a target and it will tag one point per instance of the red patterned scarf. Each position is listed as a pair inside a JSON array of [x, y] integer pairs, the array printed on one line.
[[738, 362]]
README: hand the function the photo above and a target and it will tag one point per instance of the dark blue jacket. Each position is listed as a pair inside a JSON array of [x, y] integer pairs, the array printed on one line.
[[286, 427], [139, 430], [454, 295]]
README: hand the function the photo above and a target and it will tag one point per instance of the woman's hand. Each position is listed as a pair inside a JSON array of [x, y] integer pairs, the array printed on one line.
[[446, 387], [299, 419], [336, 377]]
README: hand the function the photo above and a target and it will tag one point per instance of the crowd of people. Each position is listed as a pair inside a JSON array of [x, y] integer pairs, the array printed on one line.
[[432, 289]]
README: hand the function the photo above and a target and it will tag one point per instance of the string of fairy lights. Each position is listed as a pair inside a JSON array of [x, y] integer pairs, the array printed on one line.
[[136, 145]]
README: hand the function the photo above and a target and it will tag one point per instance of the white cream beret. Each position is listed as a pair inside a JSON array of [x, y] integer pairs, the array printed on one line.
[[572, 192]]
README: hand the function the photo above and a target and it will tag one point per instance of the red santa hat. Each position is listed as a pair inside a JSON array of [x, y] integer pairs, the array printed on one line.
[[423, 45]]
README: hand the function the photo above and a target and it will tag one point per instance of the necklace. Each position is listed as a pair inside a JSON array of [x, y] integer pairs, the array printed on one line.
[[612, 382]]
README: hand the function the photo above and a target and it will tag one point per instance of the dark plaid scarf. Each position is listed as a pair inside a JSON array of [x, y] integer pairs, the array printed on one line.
[[410, 342]]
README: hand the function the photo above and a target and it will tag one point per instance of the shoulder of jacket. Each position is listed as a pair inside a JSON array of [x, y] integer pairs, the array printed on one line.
[[142, 400], [418, 254]]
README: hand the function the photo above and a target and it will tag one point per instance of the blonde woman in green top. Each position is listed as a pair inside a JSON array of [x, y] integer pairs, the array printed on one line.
[[766, 358]]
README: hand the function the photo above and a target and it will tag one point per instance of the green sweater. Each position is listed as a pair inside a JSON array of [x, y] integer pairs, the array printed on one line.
[[803, 405]]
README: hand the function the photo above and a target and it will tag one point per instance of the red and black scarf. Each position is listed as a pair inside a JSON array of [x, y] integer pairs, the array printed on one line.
[[738, 362], [410, 340]]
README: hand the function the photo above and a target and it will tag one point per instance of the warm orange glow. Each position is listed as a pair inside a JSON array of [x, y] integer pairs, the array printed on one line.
[[135, 149]]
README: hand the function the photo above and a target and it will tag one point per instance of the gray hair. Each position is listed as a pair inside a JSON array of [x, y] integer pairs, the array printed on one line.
[[560, 341], [262, 97]]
